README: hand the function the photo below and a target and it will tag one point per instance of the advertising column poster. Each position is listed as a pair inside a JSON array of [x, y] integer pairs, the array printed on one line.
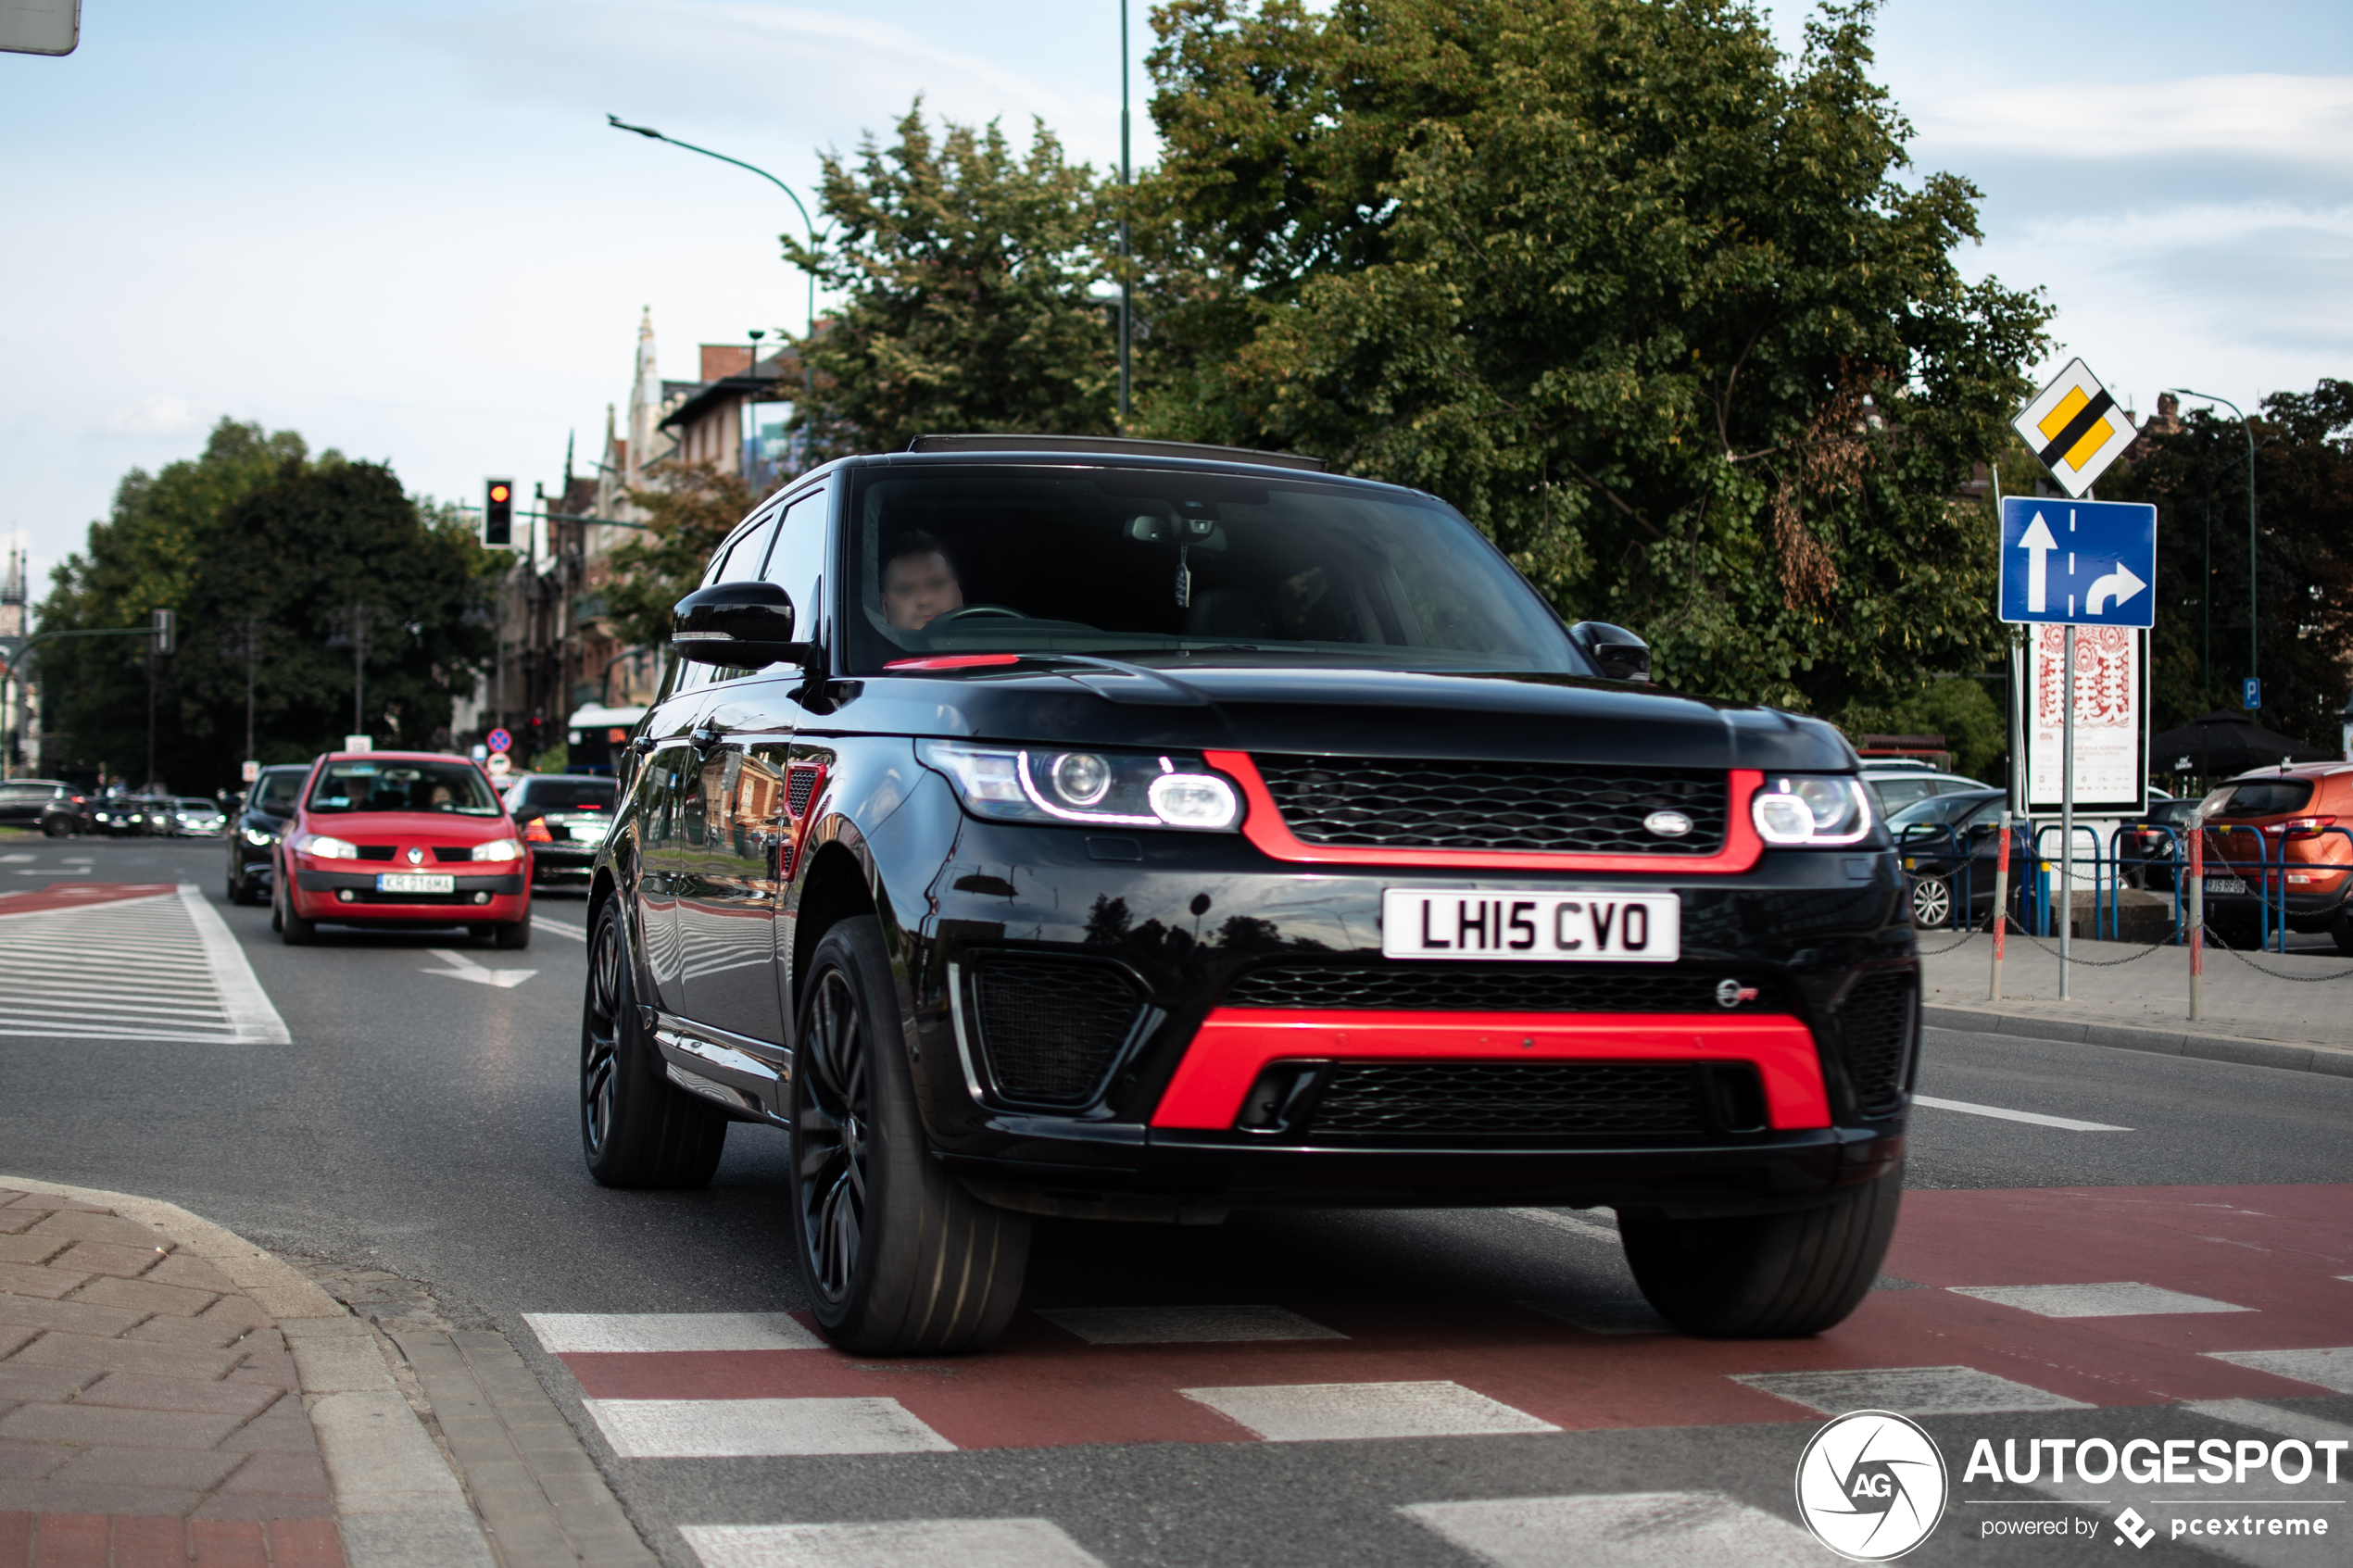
[[2111, 772]]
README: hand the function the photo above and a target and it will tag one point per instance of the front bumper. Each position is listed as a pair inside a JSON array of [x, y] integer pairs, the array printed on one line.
[[487, 899]]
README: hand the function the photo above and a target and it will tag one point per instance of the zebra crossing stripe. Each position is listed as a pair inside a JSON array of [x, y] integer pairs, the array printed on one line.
[[1620, 1530], [135, 962], [761, 1428], [904, 1543]]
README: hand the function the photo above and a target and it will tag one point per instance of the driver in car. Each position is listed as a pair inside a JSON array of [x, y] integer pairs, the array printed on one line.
[[918, 582]]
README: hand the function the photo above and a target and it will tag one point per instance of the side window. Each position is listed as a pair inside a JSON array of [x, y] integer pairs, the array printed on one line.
[[738, 561], [797, 563]]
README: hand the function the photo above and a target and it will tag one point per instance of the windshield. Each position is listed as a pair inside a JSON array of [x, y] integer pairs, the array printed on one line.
[[278, 788], [566, 795], [190, 803], [1937, 811], [404, 786], [1140, 563]]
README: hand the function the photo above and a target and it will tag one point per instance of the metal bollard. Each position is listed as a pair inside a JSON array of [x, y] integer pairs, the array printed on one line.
[[2197, 919], [2001, 906]]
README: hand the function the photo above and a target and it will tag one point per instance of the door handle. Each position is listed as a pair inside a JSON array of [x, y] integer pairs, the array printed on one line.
[[705, 735], [642, 745]]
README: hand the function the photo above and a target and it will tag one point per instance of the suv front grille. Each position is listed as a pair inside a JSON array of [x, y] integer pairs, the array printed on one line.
[[1390, 803], [1050, 1028], [1875, 1027], [1494, 987], [1506, 1101]]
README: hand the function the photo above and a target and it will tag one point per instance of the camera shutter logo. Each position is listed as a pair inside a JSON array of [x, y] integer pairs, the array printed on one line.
[[1871, 1486]]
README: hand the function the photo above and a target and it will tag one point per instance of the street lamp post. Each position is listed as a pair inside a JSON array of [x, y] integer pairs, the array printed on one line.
[[1126, 284], [814, 237], [2248, 429]]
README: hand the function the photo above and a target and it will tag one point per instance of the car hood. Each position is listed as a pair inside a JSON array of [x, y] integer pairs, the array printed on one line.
[[1326, 712], [407, 827]]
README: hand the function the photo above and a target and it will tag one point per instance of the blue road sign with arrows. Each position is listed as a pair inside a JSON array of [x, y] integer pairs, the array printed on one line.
[[2090, 562]]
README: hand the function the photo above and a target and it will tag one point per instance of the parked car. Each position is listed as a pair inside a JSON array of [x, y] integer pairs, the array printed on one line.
[[1949, 844], [1900, 786], [2147, 849], [259, 822], [2268, 837], [194, 816], [564, 818], [132, 816], [54, 806], [1098, 828], [449, 853]]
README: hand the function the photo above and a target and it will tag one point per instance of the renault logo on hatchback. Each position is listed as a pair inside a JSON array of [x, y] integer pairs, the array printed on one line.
[[1668, 824], [416, 856]]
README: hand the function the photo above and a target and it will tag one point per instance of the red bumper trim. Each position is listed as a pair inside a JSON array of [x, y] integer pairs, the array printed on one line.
[[1265, 827], [1235, 1044]]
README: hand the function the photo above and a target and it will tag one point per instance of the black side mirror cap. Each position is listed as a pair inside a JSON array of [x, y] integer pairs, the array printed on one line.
[[1619, 654], [740, 626]]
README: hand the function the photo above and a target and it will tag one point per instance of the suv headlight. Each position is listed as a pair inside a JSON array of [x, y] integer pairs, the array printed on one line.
[[1811, 808], [1097, 788], [498, 849], [325, 848]]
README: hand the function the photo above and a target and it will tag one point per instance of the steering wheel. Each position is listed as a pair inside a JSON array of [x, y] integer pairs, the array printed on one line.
[[974, 612]]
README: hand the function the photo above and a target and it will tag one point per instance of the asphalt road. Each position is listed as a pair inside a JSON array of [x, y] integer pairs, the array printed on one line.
[[421, 1122]]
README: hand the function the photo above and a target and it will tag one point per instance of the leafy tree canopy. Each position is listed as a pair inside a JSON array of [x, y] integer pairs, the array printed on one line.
[[1654, 305], [967, 267], [689, 513], [255, 532]]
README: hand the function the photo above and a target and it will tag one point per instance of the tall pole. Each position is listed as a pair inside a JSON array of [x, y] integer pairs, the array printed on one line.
[[2067, 814], [150, 785], [252, 633], [1127, 285], [2248, 429]]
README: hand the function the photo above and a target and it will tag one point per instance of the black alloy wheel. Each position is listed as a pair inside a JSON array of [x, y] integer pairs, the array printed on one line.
[[1932, 901], [636, 1128], [899, 1257]]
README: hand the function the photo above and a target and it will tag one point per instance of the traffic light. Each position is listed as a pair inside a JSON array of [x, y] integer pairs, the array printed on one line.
[[535, 733], [499, 514], [165, 628]]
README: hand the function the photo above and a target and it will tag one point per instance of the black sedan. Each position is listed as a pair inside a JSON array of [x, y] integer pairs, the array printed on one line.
[[255, 826], [1949, 844], [564, 818]]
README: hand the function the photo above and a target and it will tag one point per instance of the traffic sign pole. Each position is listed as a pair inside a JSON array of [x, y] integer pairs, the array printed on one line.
[[2067, 812]]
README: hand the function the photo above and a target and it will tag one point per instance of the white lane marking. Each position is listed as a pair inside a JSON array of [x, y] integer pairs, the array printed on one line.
[[243, 1000], [15, 859], [1184, 1325], [761, 1428], [569, 1333], [68, 871], [2122, 1298], [1574, 1224], [909, 1543], [560, 928], [77, 860], [463, 968], [2066, 1123], [2330, 1369], [1627, 1530], [2260, 1417], [1907, 1390], [1316, 1412]]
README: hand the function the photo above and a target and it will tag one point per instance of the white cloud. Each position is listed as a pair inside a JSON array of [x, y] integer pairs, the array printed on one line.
[[160, 414]]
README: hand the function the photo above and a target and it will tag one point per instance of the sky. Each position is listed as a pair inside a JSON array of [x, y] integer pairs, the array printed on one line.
[[403, 228]]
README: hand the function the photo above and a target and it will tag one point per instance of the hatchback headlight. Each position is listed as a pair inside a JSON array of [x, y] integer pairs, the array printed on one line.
[[326, 848], [498, 849], [1097, 788], [1811, 808]]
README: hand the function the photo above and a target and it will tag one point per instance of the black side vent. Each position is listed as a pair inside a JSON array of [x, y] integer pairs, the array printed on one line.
[[1050, 1029], [1517, 1102], [801, 783], [1876, 1027]]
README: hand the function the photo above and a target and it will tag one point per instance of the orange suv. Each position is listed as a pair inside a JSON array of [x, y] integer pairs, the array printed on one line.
[[2280, 831]]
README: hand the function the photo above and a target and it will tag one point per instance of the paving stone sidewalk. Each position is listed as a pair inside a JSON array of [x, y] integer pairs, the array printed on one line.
[[173, 1397]]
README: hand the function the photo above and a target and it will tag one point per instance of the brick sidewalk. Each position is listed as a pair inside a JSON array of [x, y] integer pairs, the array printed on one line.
[[149, 1410]]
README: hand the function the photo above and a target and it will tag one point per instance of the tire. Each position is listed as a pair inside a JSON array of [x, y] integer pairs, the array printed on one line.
[[636, 1128], [898, 1259], [2341, 929], [55, 827], [515, 936], [293, 930], [1931, 902], [1766, 1277]]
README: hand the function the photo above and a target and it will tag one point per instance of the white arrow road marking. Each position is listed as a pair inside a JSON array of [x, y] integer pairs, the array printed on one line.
[[2038, 544], [463, 968], [2119, 586]]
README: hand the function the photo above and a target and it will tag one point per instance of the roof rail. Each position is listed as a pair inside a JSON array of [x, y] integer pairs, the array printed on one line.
[[1117, 444]]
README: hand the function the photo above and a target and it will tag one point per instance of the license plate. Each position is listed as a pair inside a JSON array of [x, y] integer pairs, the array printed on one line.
[[1560, 927], [593, 834], [415, 882], [2226, 884]]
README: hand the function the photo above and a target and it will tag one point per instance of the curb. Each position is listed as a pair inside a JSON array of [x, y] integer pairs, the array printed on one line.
[[397, 1502], [2330, 1060]]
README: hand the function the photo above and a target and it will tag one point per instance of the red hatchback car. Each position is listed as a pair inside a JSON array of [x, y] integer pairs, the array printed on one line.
[[401, 839]]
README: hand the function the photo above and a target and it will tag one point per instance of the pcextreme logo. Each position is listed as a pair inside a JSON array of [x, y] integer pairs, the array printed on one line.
[[1871, 1486]]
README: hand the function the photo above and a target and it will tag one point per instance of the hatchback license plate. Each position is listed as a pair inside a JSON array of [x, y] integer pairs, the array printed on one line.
[[2226, 884], [415, 882], [1559, 927]]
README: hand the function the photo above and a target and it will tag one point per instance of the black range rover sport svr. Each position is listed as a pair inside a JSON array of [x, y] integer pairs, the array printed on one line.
[[1137, 831]]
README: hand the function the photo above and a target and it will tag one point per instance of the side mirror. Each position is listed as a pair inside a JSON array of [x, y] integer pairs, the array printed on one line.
[[1619, 654], [738, 625]]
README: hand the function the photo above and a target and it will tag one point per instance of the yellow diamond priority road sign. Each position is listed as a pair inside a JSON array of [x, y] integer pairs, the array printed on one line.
[[2076, 428]]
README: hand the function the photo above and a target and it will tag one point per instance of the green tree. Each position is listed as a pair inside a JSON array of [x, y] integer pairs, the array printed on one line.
[[1959, 708], [967, 269], [256, 533], [1655, 305], [690, 511]]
